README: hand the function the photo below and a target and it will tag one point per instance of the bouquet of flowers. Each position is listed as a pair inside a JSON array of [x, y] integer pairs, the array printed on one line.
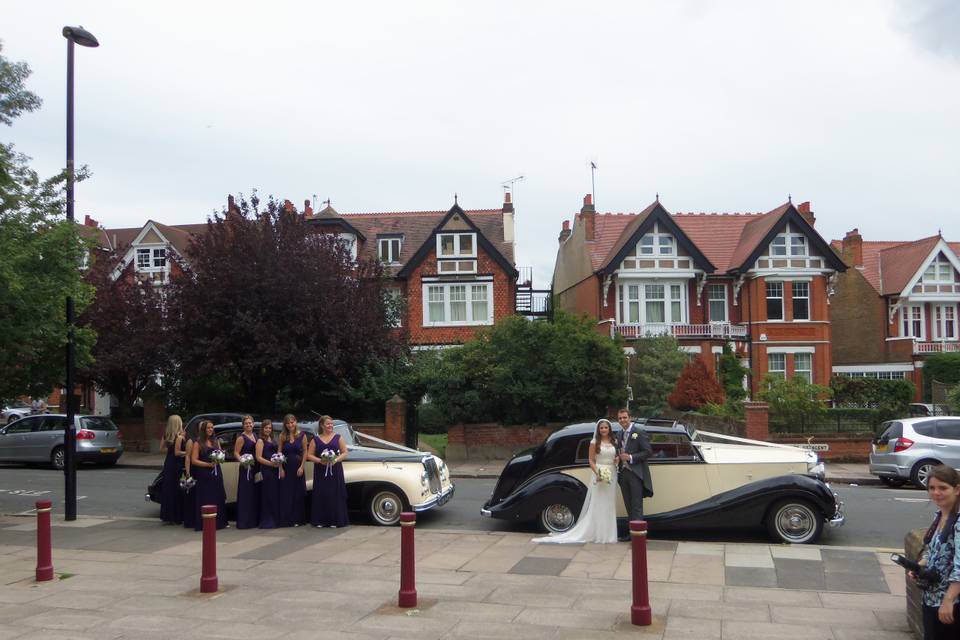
[[217, 456], [328, 457], [186, 482], [278, 458], [605, 475], [246, 461]]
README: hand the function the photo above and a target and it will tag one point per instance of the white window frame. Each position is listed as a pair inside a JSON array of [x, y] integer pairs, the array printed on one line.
[[457, 251], [939, 264], [624, 300], [785, 240], [767, 298], [146, 253], [655, 244], [711, 289], [388, 256], [446, 287], [350, 241], [394, 296], [941, 322], [794, 297], [782, 357], [908, 318], [805, 372]]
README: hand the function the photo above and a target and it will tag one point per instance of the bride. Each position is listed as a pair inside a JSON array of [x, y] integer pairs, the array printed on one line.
[[598, 517]]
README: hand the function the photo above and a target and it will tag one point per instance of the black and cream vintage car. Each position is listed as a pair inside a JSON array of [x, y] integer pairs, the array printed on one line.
[[700, 480], [383, 479]]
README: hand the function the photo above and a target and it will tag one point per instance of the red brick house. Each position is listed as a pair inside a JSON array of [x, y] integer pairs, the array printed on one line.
[[760, 281], [898, 303], [454, 269]]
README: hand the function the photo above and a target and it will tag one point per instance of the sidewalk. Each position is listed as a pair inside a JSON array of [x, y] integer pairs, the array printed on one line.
[[836, 472], [139, 579]]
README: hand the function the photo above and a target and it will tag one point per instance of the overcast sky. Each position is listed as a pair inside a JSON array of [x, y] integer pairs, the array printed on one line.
[[718, 106]]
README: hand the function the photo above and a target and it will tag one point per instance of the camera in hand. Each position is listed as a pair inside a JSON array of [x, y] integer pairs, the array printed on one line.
[[924, 574]]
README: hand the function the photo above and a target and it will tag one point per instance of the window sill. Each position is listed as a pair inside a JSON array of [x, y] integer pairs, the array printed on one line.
[[440, 325]]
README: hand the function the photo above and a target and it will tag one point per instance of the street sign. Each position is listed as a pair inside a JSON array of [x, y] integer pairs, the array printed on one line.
[[820, 446]]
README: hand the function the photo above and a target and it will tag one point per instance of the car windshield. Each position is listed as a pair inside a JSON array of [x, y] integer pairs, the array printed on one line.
[[97, 424]]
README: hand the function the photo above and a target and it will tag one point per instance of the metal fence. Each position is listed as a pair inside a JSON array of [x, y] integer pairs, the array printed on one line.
[[829, 424]]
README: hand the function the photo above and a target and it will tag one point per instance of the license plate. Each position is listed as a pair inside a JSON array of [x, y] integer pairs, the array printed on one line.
[[108, 450], [881, 448]]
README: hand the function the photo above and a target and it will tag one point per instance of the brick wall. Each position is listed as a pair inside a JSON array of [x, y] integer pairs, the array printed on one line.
[[858, 315], [493, 441], [843, 448], [504, 301]]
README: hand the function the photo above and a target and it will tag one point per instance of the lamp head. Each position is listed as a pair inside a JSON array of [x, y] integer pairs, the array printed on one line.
[[80, 36]]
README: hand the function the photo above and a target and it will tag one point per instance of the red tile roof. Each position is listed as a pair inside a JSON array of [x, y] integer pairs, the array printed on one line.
[[889, 265]]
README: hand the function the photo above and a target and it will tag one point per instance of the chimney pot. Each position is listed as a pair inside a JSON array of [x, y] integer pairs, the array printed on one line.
[[566, 225], [804, 210], [507, 198], [307, 209], [588, 200], [565, 231], [588, 215], [852, 248]]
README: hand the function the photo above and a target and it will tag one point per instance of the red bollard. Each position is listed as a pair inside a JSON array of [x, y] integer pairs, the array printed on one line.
[[44, 541], [408, 580], [208, 577], [640, 613]]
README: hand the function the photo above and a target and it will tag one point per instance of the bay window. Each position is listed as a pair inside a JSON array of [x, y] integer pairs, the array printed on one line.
[[652, 303], [447, 304], [777, 364], [912, 322]]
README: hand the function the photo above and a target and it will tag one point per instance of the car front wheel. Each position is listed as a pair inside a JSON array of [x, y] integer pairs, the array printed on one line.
[[921, 472], [57, 458], [795, 522], [385, 506], [557, 517]]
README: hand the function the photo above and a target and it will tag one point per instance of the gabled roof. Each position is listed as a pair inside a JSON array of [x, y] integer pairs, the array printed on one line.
[[890, 265], [728, 242], [493, 250], [640, 225]]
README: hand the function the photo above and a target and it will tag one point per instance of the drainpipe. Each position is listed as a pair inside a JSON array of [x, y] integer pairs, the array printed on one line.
[[749, 335]]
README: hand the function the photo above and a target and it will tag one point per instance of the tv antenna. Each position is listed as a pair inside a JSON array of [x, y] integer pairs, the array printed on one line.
[[509, 184]]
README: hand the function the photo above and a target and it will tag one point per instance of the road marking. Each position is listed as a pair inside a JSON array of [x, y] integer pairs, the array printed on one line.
[[912, 499], [25, 492]]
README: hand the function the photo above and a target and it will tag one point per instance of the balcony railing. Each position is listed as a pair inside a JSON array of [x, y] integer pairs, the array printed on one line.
[[719, 330], [936, 347]]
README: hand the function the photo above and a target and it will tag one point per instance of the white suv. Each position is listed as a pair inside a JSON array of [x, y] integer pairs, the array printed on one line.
[[908, 449]]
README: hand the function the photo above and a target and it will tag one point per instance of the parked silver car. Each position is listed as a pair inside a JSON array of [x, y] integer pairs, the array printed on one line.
[[907, 450], [40, 439], [14, 411]]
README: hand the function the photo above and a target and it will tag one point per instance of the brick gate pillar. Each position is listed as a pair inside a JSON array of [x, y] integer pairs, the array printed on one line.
[[395, 421], [758, 420]]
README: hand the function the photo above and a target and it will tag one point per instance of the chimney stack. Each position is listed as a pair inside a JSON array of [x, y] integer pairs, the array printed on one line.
[[588, 216], [232, 207], [565, 231], [307, 209], [804, 210], [852, 249], [90, 222], [508, 218]]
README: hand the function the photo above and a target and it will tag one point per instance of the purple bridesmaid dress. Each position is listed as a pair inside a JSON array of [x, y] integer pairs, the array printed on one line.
[[293, 488], [328, 504], [248, 508], [189, 499], [269, 490], [209, 491], [171, 498]]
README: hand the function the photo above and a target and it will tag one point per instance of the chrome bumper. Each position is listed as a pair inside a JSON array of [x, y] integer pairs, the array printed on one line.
[[486, 513], [839, 517], [437, 500]]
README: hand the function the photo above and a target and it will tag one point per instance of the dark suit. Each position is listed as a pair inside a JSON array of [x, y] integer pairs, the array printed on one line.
[[635, 481]]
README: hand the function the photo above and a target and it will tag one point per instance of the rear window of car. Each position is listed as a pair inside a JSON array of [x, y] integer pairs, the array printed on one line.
[[927, 428], [97, 424], [893, 430], [669, 446]]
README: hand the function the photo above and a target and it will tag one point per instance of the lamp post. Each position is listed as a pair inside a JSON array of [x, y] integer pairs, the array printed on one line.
[[84, 38]]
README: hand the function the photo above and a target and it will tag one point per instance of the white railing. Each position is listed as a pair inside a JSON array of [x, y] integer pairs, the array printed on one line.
[[720, 330], [936, 347]]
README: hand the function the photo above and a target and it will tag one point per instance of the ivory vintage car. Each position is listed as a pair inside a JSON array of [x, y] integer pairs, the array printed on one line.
[[383, 479], [700, 481]]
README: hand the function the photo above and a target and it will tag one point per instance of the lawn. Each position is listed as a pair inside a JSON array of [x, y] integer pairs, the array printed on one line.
[[436, 441]]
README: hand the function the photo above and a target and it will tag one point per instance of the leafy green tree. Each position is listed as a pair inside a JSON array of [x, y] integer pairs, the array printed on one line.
[[794, 401], [521, 371], [731, 375], [942, 367], [953, 400], [654, 369], [40, 260], [887, 398]]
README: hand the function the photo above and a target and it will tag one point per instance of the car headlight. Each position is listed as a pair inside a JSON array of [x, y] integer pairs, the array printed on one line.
[[424, 478]]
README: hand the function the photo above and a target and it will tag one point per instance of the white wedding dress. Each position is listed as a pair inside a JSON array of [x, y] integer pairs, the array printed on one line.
[[598, 518]]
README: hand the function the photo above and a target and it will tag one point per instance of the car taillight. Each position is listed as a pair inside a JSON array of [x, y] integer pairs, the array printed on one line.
[[83, 434], [902, 445]]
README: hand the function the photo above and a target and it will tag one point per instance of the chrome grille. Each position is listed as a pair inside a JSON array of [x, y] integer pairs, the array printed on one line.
[[433, 473]]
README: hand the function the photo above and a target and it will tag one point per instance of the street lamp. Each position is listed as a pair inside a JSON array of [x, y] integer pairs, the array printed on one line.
[[84, 38]]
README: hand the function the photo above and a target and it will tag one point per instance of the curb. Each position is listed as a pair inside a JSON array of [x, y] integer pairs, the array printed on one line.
[[857, 480]]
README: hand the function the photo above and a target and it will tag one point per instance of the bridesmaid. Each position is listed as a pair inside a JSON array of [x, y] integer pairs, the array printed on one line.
[[329, 499], [209, 477], [247, 502], [189, 496], [270, 478], [171, 499], [293, 484]]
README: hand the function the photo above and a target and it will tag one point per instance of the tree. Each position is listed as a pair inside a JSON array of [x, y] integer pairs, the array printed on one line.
[[940, 367], [40, 260], [695, 388], [521, 372], [654, 369], [953, 400], [731, 375], [129, 318], [794, 400], [284, 312], [888, 398]]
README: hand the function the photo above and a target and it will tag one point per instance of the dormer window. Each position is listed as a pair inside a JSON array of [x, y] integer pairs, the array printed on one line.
[[789, 243], [388, 249], [149, 259], [940, 270], [456, 253], [656, 250]]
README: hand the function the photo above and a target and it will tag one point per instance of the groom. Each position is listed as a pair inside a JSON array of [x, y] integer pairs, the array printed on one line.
[[635, 482]]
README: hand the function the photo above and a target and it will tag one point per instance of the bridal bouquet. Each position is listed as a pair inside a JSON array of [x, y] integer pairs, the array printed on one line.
[[186, 482], [246, 461], [328, 457], [217, 456], [605, 475], [278, 458]]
